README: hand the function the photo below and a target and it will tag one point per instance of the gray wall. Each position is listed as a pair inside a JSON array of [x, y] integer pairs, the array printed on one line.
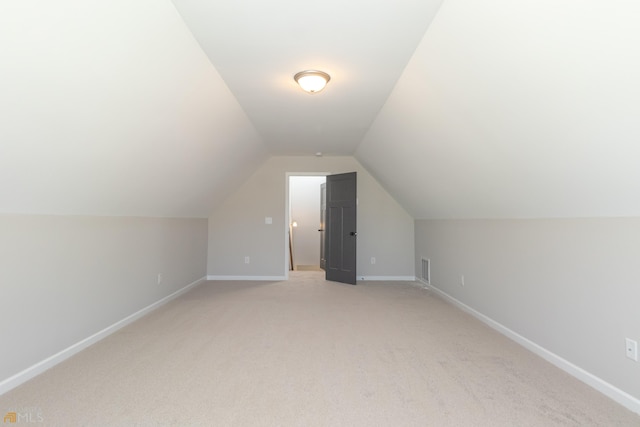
[[64, 278], [569, 285], [237, 228]]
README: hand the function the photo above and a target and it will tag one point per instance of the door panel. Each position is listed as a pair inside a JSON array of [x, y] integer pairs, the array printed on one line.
[[341, 228]]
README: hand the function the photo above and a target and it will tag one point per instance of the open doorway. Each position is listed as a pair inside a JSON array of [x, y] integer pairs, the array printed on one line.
[[305, 222]]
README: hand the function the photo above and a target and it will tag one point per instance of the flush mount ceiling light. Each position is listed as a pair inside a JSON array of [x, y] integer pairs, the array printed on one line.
[[312, 81]]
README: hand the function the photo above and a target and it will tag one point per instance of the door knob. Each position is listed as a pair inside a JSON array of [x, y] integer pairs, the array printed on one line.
[[353, 233]]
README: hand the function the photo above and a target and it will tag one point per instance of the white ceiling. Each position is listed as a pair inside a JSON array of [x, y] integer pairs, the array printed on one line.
[[493, 109], [112, 108], [516, 109], [257, 46]]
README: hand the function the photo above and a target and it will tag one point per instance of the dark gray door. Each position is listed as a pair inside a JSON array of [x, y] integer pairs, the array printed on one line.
[[323, 216], [341, 230]]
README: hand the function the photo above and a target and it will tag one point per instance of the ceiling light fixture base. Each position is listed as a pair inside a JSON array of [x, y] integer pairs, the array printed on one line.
[[312, 81]]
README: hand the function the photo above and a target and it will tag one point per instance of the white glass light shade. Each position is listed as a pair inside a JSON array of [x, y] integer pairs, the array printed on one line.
[[312, 81]]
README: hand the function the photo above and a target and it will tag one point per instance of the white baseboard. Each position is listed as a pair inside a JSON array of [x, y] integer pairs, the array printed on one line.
[[249, 278], [281, 278], [25, 375], [623, 398], [388, 278]]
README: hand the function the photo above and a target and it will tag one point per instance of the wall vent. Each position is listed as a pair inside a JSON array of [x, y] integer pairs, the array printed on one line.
[[426, 271]]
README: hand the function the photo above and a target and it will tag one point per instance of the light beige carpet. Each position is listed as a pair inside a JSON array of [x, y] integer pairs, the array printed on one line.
[[311, 353], [308, 268]]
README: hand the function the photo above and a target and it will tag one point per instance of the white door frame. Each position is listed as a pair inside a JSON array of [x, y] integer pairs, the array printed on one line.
[[287, 210]]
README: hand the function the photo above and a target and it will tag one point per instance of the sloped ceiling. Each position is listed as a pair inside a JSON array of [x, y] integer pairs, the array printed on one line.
[[516, 109], [258, 46], [489, 110], [112, 108]]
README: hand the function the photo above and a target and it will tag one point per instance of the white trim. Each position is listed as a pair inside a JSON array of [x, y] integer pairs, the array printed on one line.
[[249, 278], [281, 278], [388, 278], [625, 399], [25, 375], [287, 211]]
